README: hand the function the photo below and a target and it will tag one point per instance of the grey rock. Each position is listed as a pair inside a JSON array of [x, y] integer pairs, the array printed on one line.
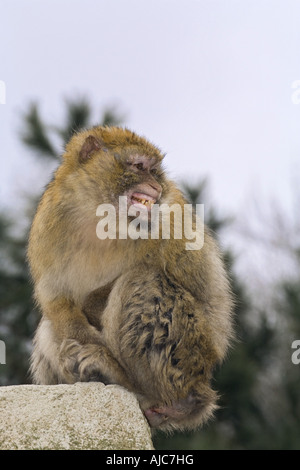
[[80, 416]]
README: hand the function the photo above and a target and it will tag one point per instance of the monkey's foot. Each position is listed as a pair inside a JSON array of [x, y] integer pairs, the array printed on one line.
[[79, 362], [92, 366], [91, 363]]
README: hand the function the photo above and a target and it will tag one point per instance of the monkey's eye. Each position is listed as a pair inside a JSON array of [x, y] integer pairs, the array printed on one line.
[[139, 166], [154, 171]]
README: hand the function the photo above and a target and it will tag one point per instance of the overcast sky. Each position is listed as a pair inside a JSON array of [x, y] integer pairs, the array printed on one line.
[[209, 81]]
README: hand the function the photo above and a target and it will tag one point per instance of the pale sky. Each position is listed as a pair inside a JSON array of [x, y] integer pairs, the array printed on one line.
[[208, 81]]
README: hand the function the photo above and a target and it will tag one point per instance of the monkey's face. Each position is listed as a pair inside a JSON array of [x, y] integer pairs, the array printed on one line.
[[140, 181], [114, 162]]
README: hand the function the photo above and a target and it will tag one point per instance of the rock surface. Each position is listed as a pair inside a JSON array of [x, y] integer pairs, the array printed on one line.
[[80, 416]]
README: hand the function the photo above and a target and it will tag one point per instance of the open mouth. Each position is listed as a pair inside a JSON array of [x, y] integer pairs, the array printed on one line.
[[142, 200]]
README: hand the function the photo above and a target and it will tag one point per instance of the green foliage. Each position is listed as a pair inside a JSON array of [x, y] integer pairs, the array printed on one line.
[[17, 315], [78, 116], [38, 136], [35, 135], [197, 194]]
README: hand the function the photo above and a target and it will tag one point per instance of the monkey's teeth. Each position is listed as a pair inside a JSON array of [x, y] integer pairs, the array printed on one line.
[[146, 202], [142, 201]]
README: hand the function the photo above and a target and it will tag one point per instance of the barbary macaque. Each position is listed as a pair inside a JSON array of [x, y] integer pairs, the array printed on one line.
[[145, 313]]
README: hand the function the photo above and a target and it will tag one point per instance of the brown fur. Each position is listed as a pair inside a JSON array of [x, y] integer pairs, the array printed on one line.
[[145, 314]]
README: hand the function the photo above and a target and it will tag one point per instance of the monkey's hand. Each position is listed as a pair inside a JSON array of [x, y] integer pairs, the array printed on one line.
[[90, 363]]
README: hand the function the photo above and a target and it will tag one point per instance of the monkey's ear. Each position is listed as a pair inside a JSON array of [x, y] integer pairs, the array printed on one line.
[[91, 144]]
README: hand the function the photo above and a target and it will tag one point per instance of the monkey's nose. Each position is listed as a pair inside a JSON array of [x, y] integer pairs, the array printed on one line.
[[157, 188]]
